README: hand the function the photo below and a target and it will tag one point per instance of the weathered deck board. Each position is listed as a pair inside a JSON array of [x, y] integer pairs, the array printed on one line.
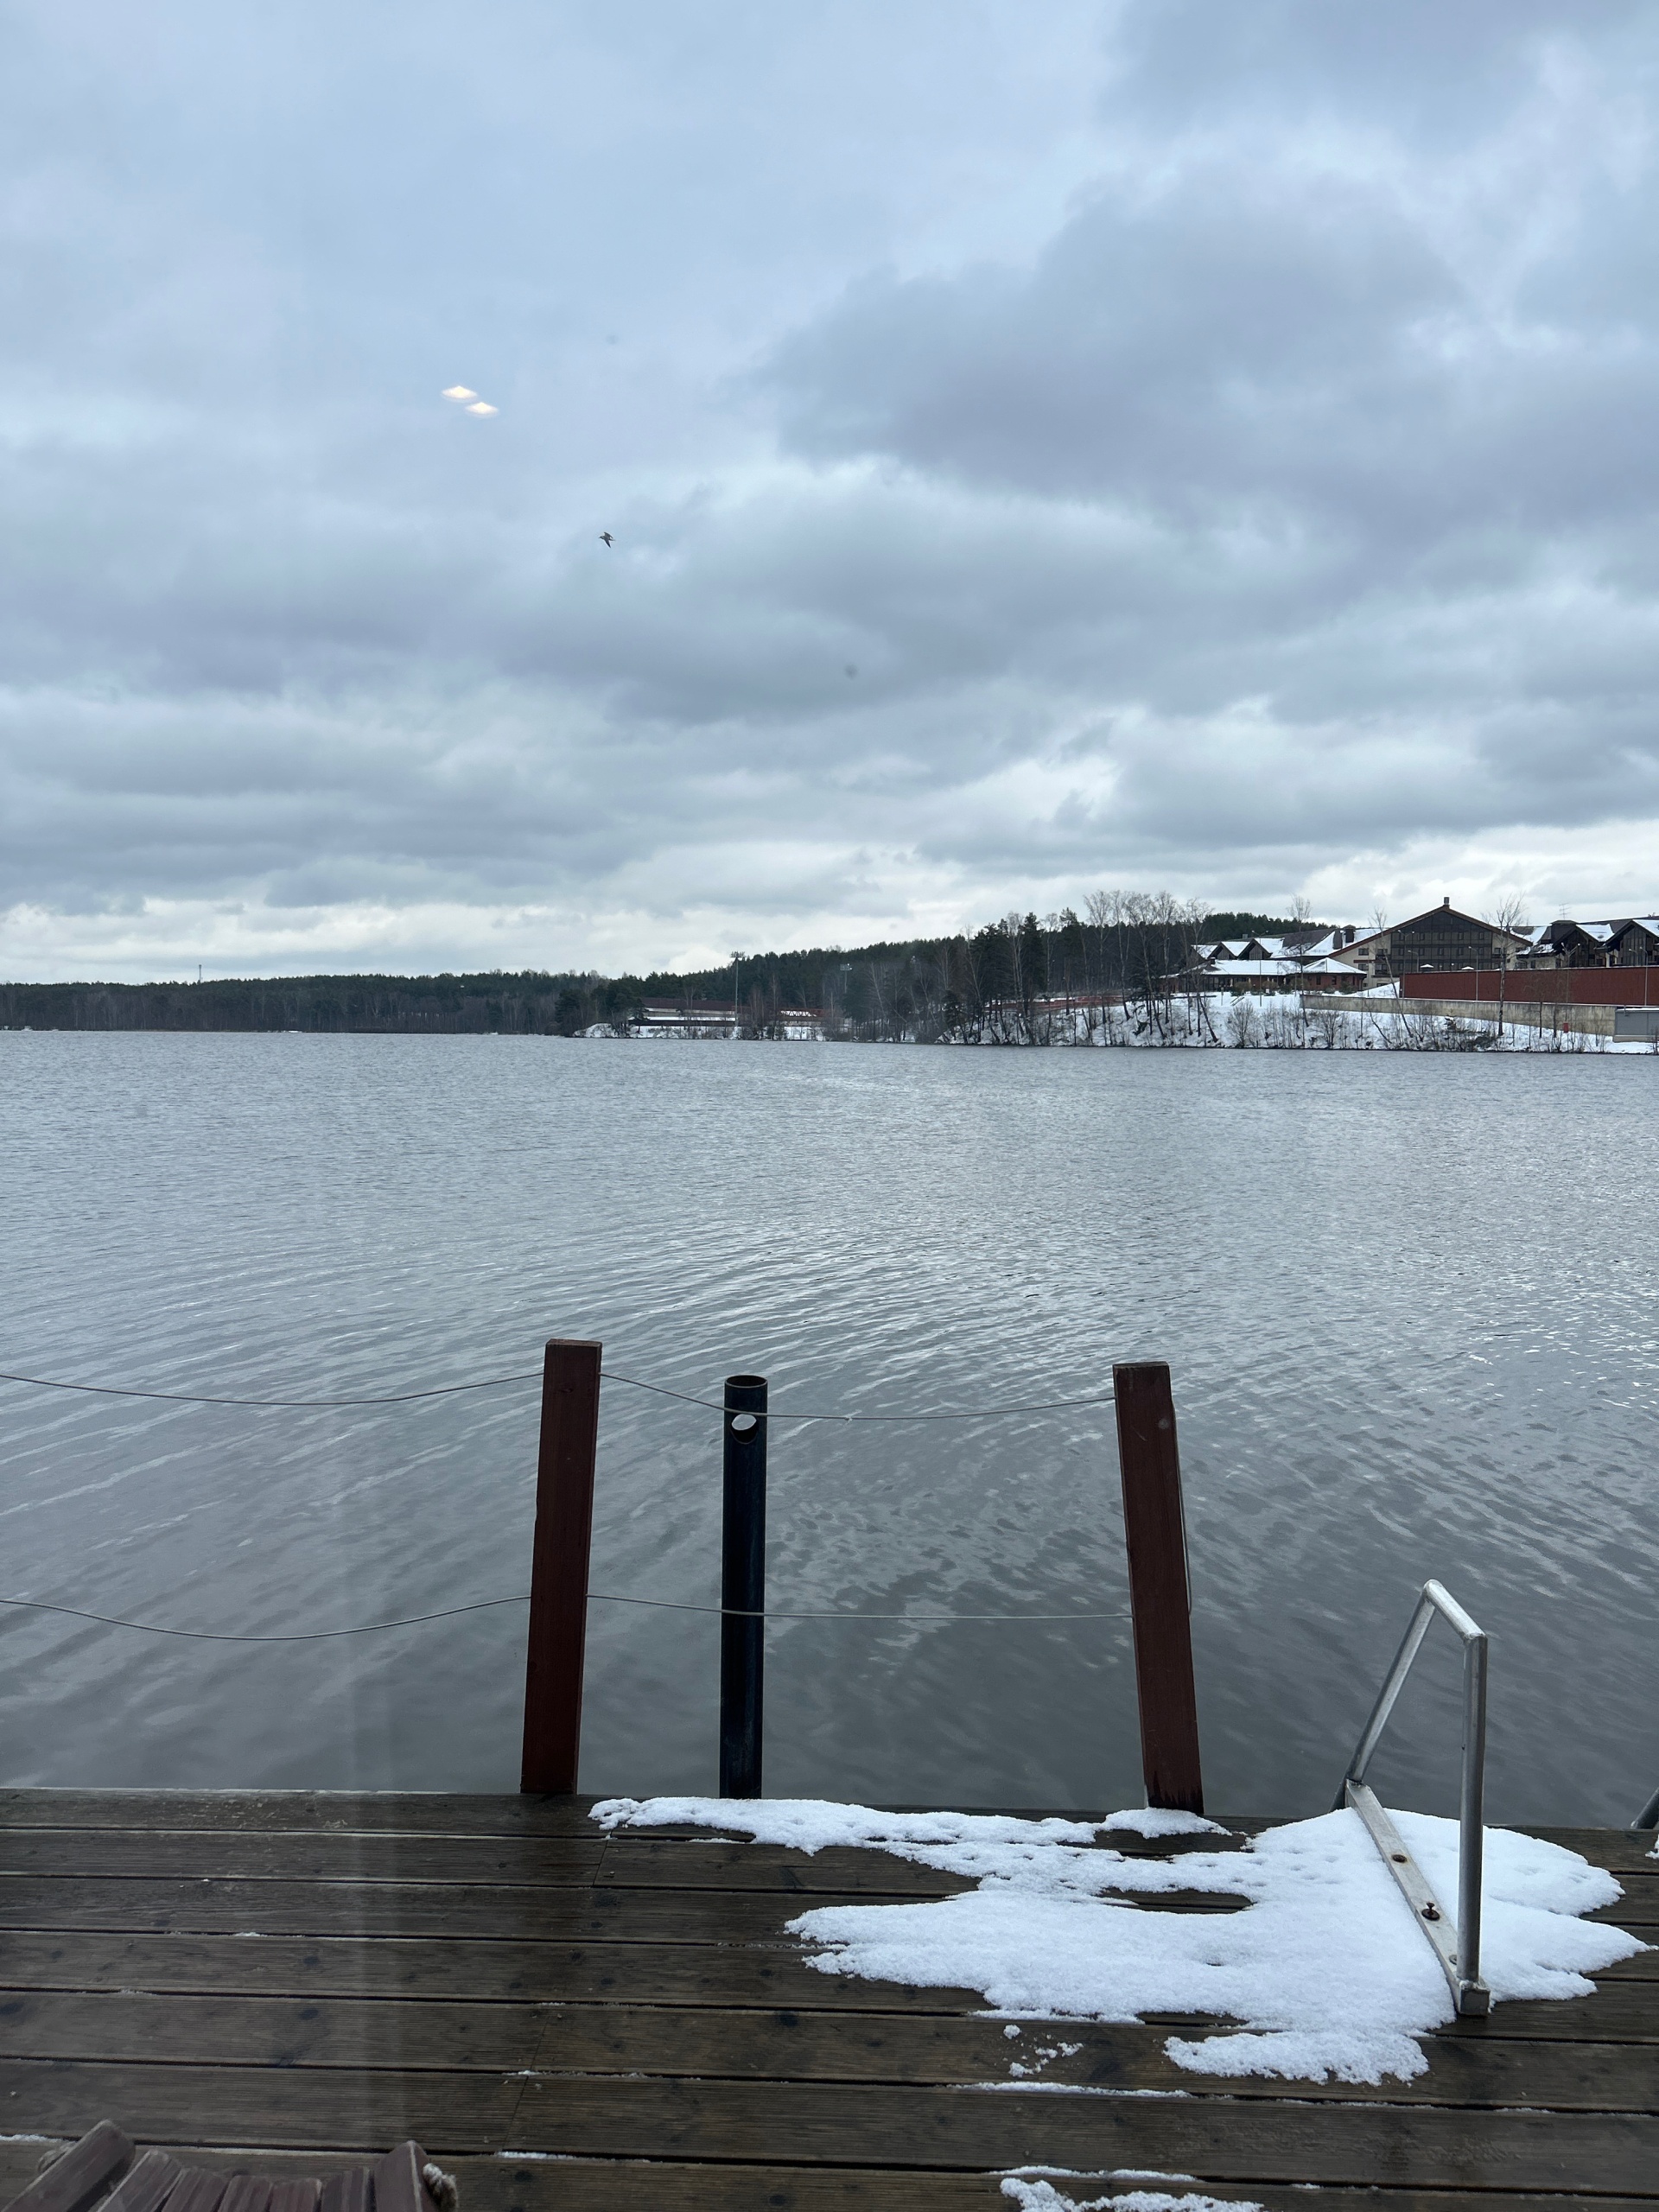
[[962, 2130], [300, 1812], [665, 1974], [497, 1978], [617, 1913], [507, 2184], [541, 1862], [779, 2044]]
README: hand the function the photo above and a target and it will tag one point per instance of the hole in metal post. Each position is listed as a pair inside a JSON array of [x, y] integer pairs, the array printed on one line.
[[743, 1423]]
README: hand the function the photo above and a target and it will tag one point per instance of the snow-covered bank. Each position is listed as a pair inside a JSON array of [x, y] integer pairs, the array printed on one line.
[[1324, 1968], [1371, 1021], [1379, 1021]]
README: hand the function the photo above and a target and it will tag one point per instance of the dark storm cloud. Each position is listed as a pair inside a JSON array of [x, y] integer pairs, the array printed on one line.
[[1271, 481]]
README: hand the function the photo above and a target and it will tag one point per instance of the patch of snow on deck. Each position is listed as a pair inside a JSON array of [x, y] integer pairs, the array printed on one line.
[[1325, 1967], [1157, 1821], [1043, 2196]]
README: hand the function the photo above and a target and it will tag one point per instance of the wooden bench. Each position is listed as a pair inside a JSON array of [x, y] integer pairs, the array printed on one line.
[[102, 2170]]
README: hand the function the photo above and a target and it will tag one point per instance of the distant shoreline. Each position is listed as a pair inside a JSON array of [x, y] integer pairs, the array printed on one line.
[[543, 1005]]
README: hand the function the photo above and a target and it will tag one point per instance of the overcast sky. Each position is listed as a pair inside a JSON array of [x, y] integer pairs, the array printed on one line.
[[1209, 445]]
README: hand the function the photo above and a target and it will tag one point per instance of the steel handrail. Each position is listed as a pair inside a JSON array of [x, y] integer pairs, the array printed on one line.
[[1459, 1950]]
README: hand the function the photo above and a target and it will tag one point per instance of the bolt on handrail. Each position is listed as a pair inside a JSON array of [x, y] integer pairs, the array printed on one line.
[[1458, 1951]]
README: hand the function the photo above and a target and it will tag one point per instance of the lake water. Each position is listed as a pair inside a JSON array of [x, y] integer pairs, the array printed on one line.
[[1409, 1303]]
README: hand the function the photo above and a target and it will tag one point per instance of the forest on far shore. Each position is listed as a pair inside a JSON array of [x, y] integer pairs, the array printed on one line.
[[1123, 942]]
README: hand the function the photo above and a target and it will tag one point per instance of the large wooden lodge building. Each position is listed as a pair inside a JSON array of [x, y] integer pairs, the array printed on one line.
[[1442, 939]]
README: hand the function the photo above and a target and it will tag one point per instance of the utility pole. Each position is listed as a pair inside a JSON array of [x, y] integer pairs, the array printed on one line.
[[737, 1018]]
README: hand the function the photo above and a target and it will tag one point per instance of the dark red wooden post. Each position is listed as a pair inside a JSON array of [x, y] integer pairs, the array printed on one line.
[[558, 1574], [1156, 1530]]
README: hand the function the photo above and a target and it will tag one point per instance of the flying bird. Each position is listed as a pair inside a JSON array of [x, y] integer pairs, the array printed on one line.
[[604, 537], [459, 392]]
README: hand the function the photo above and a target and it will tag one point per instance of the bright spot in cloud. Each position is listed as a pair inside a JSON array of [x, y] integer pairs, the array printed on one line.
[[459, 391], [482, 407]]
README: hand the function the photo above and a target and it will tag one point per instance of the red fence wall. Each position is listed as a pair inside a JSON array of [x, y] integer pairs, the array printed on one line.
[[1550, 986]]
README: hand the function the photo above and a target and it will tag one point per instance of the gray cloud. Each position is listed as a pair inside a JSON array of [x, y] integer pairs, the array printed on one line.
[[1260, 487]]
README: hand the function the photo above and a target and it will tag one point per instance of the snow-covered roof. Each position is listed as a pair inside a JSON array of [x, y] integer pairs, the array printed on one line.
[[1289, 967]]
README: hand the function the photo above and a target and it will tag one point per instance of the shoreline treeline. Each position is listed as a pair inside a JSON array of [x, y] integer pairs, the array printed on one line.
[[996, 983]]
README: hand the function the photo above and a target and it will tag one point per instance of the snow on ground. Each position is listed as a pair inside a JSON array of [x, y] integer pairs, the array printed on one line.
[[1326, 1968], [1373, 1020]]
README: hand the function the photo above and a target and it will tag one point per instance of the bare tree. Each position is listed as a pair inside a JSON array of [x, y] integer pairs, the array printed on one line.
[[1379, 924], [1508, 916], [1104, 910], [1301, 915]]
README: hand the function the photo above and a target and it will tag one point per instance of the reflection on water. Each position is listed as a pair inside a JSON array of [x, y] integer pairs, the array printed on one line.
[[1409, 1303]]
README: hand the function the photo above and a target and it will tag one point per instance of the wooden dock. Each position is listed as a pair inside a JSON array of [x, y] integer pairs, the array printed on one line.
[[290, 1983]]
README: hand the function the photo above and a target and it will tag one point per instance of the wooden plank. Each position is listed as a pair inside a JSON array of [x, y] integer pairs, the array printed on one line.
[[300, 1811], [963, 2130], [346, 2192], [624, 2185], [296, 2194], [1218, 2139], [846, 1870], [581, 2185], [1637, 1910], [1618, 2012], [138, 1906], [1482, 2061], [1626, 2008], [337, 2023], [273, 2031], [504, 2183], [133, 1906], [146, 2185], [1623, 1851], [721, 1865], [395, 2183], [1125, 1841], [301, 2108], [786, 2045], [665, 1973], [87, 2167], [484, 1814], [196, 2191], [246, 2193], [1221, 2138], [537, 1862]]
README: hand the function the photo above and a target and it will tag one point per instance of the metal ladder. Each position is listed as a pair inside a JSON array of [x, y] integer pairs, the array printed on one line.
[[1457, 1948]]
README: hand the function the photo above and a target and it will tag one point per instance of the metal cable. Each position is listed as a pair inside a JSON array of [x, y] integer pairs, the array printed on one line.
[[499, 1382], [743, 1613], [787, 1412], [482, 1604], [306, 1636], [190, 1398]]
